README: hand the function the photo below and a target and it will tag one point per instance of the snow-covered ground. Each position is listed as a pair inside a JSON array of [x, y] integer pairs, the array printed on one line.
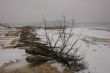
[[9, 57], [95, 46]]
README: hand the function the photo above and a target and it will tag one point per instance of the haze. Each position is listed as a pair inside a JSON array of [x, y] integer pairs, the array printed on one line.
[[31, 11]]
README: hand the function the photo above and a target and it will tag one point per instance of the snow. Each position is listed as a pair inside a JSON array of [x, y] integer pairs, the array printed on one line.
[[83, 31], [99, 61], [96, 33], [11, 55], [96, 53], [58, 66]]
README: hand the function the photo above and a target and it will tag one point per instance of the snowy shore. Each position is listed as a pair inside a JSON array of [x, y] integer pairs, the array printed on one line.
[[95, 46]]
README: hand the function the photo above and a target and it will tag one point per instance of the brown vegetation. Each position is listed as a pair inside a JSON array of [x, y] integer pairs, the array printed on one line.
[[45, 68]]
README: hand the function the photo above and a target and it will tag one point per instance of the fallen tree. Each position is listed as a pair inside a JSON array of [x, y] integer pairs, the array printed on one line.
[[41, 53]]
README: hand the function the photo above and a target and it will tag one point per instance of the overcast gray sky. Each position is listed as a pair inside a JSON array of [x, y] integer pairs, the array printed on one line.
[[31, 11]]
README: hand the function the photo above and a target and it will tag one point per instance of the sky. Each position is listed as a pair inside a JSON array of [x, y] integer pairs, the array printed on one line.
[[32, 11]]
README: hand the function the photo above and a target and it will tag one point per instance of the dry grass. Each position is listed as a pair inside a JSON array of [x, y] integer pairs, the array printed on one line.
[[45, 68]]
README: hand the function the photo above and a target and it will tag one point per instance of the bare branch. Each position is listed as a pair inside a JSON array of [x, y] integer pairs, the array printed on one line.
[[73, 45], [47, 37], [66, 42]]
